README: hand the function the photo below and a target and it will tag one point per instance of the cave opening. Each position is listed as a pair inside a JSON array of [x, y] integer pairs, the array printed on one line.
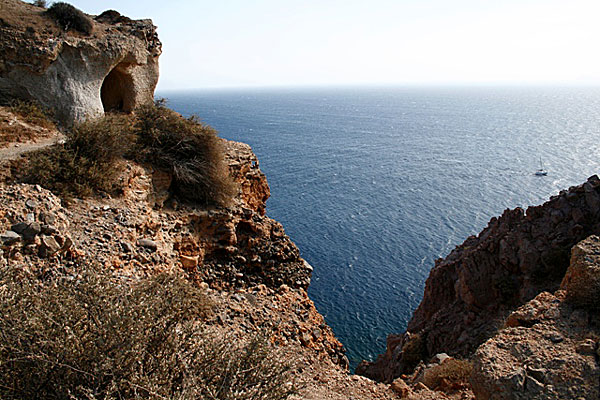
[[117, 92]]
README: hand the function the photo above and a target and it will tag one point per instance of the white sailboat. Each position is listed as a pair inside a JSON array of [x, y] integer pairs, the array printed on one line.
[[541, 171]]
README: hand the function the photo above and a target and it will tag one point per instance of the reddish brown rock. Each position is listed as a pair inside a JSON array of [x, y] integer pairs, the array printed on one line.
[[546, 351], [582, 280], [245, 170]]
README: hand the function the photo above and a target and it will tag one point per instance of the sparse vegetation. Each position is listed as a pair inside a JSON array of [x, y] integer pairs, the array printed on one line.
[[92, 336], [69, 17], [189, 150], [32, 113], [452, 372], [413, 350], [87, 162]]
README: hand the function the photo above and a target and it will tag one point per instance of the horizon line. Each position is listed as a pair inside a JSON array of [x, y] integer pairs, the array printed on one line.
[[388, 85]]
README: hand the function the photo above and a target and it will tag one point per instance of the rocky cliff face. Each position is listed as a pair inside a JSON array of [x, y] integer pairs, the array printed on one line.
[[470, 293], [243, 258], [77, 76], [548, 348]]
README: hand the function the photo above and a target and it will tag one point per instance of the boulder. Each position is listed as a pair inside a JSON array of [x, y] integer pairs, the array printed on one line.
[[582, 280], [525, 361]]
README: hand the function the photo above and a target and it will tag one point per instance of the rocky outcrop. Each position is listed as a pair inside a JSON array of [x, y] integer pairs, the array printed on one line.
[[549, 346], [76, 76], [245, 170], [469, 293]]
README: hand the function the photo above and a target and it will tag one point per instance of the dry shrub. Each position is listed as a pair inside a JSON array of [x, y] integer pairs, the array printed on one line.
[[413, 351], [189, 150], [452, 372], [89, 336], [33, 113], [87, 162], [69, 17], [15, 133]]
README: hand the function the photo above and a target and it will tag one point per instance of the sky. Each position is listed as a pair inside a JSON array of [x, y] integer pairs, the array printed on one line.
[[264, 43]]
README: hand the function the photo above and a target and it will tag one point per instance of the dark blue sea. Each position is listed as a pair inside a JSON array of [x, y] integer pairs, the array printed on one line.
[[374, 184]]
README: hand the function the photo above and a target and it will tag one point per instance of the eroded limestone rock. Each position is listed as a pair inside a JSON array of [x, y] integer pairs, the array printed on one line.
[[76, 76]]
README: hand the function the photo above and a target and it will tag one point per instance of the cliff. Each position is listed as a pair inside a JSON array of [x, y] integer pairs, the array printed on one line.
[[493, 283], [531, 277], [247, 268], [77, 75]]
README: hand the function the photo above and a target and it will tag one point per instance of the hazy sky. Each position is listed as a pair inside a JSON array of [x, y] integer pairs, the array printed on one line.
[[232, 43]]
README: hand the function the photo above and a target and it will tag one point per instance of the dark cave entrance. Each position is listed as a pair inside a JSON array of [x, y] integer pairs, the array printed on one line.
[[117, 92]]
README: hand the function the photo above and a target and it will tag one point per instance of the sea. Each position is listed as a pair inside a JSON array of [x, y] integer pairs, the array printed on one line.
[[375, 183]]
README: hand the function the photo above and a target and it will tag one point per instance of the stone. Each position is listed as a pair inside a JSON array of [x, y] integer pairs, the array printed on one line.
[[49, 246], [48, 218], [28, 230], [401, 387], [532, 385], [582, 280], [189, 261], [538, 373], [74, 75], [563, 369], [148, 244], [10, 237], [49, 230], [67, 243], [554, 337], [439, 358], [126, 247], [587, 346], [32, 204]]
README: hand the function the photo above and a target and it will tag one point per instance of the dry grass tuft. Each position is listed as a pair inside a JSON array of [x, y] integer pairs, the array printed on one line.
[[189, 150], [69, 17], [451, 372], [33, 113], [40, 3], [90, 336], [88, 160]]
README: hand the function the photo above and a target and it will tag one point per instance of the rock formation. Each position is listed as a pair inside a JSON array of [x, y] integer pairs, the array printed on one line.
[[548, 348], [76, 76], [470, 293]]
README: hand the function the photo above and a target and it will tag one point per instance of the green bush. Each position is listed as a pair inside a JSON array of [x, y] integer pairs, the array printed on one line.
[[189, 150], [92, 336], [87, 162], [69, 17]]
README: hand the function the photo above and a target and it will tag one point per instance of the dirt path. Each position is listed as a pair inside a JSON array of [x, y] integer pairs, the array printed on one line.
[[15, 150]]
